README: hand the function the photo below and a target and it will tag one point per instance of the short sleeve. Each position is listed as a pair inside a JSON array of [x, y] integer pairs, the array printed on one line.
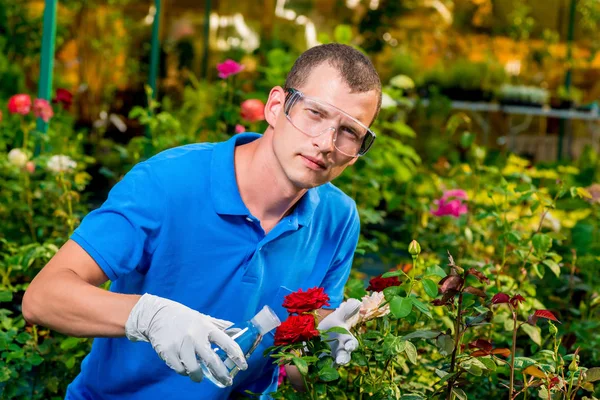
[[124, 230], [336, 277]]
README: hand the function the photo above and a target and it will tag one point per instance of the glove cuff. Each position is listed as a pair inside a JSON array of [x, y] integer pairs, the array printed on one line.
[[140, 317]]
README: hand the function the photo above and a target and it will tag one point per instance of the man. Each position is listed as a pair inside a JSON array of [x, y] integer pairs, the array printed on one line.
[[208, 234]]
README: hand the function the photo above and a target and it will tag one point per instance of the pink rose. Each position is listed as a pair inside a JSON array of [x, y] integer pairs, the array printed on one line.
[[253, 110], [19, 104], [282, 375], [240, 128], [42, 109], [228, 68], [451, 203]]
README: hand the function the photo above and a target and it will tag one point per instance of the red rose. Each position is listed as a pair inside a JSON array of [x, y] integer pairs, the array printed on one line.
[[64, 97], [297, 328], [19, 104], [378, 283], [301, 302], [253, 110]]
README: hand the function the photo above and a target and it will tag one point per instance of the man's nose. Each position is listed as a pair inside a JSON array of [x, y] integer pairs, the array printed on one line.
[[325, 140]]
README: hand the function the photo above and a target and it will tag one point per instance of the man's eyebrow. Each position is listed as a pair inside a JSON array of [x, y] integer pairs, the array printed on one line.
[[321, 108]]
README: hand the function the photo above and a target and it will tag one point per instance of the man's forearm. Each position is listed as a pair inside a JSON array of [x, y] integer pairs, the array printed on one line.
[[67, 304]]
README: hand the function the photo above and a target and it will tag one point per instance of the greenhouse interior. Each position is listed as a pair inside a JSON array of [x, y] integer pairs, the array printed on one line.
[[401, 199]]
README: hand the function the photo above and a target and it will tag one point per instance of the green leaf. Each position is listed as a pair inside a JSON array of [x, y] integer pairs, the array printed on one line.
[[445, 344], [337, 329], [435, 271], [23, 337], [523, 362], [390, 292], [393, 273], [70, 363], [430, 287], [69, 343], [328, 374], [592, 374], [5, 296], [412, 397], [534, 333], [473, 366], [419, 305], [489, 363], [36, 359], [393, 345], [359, 358], [541, 243], [411, 352], [401, 306], [301, 365], [422, 334], [538, 271], [459, 393], [553, 265]]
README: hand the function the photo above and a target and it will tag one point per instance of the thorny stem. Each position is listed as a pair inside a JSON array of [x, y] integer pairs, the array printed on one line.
[[513, 351], [457, 334]]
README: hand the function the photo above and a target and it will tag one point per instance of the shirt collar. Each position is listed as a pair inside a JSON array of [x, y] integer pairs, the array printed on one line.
[[225, 193]]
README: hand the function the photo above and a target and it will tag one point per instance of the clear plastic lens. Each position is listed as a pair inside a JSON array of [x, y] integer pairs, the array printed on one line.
[[315, 118]]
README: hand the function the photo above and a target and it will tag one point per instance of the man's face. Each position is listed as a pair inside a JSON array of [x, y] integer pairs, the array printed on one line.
[[312, 161]]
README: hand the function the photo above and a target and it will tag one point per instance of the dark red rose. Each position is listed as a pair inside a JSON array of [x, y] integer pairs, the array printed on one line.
[[64, 97], [378, 283], [297, 328], [300, 302]]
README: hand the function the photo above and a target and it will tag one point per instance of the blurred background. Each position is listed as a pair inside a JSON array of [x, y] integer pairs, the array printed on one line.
[[497, 98]]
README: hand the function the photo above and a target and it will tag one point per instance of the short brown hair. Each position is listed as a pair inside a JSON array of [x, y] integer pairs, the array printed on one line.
[[354, 67]]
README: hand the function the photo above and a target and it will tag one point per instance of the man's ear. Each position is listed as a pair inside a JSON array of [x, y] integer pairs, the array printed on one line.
[[274, 105]]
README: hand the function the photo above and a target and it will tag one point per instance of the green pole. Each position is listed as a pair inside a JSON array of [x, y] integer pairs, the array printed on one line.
[[568, 76], [154, 55], [154, 61], [207, 7], [47, 62]]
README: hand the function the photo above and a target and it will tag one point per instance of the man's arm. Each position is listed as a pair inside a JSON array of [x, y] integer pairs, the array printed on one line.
[[65, 296]]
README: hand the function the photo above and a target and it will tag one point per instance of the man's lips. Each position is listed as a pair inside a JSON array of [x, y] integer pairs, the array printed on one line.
[[314, 161]]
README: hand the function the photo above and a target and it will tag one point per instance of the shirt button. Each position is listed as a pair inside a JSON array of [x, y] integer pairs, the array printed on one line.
[[249, 219]]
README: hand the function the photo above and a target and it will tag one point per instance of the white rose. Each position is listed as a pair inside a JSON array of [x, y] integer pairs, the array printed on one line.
[[17, 157], [370, 309], [61, 163], [387, 101]]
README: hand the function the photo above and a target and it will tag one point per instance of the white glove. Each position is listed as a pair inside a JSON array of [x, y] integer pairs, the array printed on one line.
[[342, 344], [179, 334]]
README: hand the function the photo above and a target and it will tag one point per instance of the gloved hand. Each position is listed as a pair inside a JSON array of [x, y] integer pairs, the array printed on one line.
[[342, 345], [179, 334]]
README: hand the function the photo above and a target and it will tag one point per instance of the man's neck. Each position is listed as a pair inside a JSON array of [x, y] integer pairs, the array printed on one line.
[[262, 184]]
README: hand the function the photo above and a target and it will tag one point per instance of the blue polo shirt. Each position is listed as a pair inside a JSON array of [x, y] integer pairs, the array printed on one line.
[[176, 226]]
